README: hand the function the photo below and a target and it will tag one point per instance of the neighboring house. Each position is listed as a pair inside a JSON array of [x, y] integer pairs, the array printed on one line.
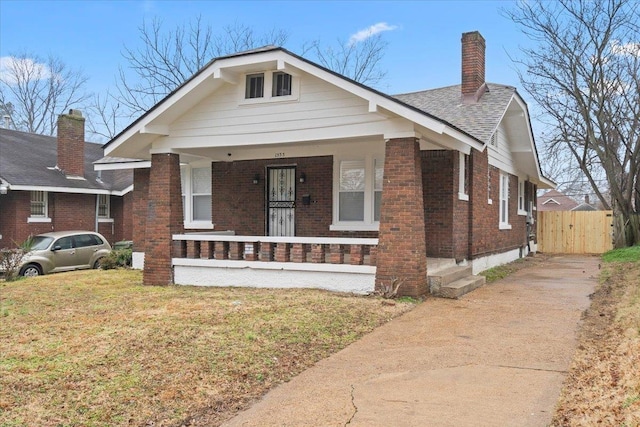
[[49, 184], [554, 200], [265, 168]]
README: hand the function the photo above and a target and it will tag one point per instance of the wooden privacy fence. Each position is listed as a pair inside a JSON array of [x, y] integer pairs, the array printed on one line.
[[575, 232]]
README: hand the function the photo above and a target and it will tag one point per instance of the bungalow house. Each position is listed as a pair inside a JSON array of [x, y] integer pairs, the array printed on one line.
[[267, 169], [49, 184]]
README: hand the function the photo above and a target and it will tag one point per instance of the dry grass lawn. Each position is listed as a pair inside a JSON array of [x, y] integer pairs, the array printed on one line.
[[96, 348], [603, 385]]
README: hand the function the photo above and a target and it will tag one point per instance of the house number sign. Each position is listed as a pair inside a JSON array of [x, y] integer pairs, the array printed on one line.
[[278, 155]]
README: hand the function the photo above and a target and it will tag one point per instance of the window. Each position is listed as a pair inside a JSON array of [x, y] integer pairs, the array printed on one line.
[[504, 201], [104, 210], [84, 240], [255, 86], [522, 207], [358, 194], [463, 177], [39, 204], [281, 84], [196, 196]]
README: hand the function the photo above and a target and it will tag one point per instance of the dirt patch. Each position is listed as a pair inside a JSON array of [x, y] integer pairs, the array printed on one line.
[[603, 384]]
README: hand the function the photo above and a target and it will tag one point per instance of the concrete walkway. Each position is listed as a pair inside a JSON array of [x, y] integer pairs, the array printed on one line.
[[495, 357]]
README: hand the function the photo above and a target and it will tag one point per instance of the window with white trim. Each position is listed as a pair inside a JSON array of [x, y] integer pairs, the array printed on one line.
[[281, 85], [104, 206], [504, 201], [255, 86], [39, 204], [522, 206], [463, 176], [358, 194], [196, 196]]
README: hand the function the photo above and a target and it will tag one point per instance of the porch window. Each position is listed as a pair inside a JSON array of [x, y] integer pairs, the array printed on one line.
[[504, 202], [104, 206], [196, 196], [281, 84], [255, 86], [39, 204], [358, 194]]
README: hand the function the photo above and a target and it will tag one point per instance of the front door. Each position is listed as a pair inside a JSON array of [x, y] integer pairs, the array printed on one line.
[[281, 201]]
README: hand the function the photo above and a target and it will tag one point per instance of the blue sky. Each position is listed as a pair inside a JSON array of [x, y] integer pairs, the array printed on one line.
[[424, 39]]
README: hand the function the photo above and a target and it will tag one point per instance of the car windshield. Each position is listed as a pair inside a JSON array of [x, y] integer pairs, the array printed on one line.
[[41, 242]]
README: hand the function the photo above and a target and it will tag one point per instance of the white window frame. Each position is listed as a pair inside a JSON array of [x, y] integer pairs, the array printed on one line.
[[267, 95], [186, 179], [462, 166], [522, 208], [107, 203], [43, 197], [504, 202], [369, 223]]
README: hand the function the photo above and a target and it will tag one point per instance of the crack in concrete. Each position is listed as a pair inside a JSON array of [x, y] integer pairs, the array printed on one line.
[[525, 368], [353, 403]]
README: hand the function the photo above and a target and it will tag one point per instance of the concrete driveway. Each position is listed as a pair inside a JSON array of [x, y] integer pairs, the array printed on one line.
[[495, 357]]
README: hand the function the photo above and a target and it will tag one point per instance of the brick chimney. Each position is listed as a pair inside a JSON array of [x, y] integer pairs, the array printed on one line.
[[473, 84], [71, 143]]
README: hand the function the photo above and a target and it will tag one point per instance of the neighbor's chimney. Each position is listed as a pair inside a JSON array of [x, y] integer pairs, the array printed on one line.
[[586, 199], [71, 143], [473, 84]]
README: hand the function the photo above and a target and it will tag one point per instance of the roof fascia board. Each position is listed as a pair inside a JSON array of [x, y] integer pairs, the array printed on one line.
[[122, 165], [59, 189]]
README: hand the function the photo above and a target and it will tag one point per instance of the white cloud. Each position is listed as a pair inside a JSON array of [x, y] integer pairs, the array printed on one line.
[[632, 49], [12, 69], [370, 32]]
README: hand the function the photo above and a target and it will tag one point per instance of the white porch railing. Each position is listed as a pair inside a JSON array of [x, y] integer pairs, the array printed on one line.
[[213, 259], [314, 250]]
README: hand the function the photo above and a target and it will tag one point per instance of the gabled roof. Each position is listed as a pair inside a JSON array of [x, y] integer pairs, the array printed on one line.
[[554, 200], [479, 119], [27, 162]]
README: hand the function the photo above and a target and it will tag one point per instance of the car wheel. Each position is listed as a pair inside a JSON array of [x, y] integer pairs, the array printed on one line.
[[31, 270], [96, 265]]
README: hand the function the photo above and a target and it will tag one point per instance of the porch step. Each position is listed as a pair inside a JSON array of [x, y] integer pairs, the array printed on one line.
[[460, 287], [453, 282]]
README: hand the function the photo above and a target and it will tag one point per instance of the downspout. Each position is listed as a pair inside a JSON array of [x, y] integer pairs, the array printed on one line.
[[97, 210]]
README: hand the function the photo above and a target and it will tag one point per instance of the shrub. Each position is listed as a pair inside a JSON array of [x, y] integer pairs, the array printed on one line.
[[117, 258], [11, 259]]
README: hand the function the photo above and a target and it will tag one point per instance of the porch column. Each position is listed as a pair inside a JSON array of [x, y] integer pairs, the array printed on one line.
[[164, 218], [401, 256]]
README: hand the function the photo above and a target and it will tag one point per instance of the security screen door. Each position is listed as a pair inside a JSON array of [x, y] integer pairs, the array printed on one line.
[[281, 201]]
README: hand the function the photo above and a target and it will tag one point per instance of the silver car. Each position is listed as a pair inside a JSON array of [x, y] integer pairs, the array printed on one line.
[[64, 251]]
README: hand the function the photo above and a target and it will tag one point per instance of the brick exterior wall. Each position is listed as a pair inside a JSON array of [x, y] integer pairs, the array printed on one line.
[[239, 205], [438, 187], [164, 218], [71, 143], [401, 248], [488, 239], [139, 208]]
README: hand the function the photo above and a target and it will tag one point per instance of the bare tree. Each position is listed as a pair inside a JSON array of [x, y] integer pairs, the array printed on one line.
[[166, 59], [584, 72], [39, 90], [360, 61]]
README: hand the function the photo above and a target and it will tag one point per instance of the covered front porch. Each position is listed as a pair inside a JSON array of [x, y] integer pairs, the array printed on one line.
[[334, 264]]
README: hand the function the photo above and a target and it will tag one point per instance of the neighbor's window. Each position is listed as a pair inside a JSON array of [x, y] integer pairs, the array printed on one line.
[[255, 86], [504, 201], [39, 204], [281, 84], [196, 196], [377, 188], [104, 209]]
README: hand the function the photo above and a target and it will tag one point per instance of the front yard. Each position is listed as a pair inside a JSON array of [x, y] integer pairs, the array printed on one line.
[[96, 348]]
